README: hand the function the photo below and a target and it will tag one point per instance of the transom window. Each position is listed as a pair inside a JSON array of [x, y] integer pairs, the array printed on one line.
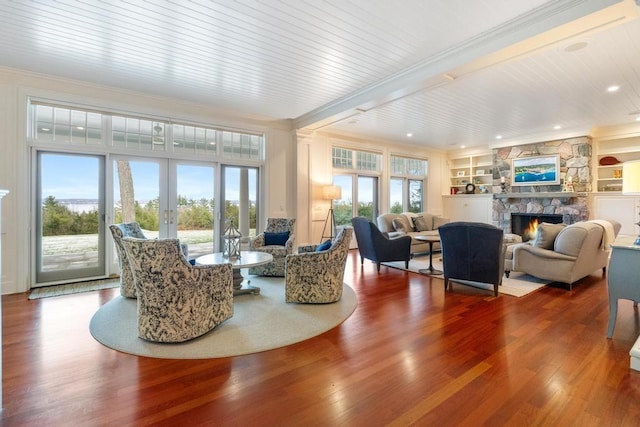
[[63, 125]]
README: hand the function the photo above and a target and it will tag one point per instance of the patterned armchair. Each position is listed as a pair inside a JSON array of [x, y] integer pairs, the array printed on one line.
[[129, 229], [177, 301], [279, 252], [119, 231], [317, 277]]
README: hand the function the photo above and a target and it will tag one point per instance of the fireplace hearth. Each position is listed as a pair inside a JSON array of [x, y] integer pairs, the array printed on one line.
[[524, 224]]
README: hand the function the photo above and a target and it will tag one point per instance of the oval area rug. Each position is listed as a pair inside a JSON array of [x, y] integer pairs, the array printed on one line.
[[260, 322]]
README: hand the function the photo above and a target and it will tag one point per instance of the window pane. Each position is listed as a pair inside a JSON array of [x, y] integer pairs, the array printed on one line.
[[415, 196], [343, 208], [367, 197], [395, 195]]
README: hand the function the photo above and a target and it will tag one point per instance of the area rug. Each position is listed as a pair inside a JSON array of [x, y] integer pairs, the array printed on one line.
[[517, 284], [260, 322], [73, 288]]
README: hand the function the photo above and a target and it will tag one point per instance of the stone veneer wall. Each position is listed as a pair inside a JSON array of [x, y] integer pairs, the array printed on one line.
[[575, 161]]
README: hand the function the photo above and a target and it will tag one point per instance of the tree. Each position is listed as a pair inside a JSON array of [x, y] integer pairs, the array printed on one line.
[[127, 197]]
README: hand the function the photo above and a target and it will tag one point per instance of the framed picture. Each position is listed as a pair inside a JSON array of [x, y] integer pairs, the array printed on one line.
[[479, 171], [539, 170], [460, 173]]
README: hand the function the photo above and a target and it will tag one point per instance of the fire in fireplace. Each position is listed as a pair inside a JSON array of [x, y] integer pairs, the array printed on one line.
[[526, 224]]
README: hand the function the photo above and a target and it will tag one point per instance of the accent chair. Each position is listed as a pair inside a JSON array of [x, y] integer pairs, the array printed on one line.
[[120, 231], [472, 253], [277, 239], [377, 247], [177, 301], [317, 277]]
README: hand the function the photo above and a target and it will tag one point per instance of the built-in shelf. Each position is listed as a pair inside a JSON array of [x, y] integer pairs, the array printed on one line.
[[541, 195]]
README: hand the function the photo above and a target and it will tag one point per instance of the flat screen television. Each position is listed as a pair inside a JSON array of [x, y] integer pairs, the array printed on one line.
[[538, 170]]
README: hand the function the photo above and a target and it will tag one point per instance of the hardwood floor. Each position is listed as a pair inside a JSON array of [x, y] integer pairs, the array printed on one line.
[[409, 354]]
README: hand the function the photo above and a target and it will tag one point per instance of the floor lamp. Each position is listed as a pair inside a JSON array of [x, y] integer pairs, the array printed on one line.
[[631, 182], [331, 193]]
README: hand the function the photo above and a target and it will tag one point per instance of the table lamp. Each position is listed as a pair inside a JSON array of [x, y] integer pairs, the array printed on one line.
[[330, 192], [631, 182]]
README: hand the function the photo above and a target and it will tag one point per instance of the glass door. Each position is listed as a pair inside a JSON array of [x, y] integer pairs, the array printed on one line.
[[192, 185], [240, 195], [168, 198], [69, 217]]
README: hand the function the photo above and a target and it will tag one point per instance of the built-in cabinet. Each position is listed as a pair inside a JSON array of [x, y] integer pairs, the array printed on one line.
[[624, 209], [608, 177], [468, 207], [471, 169]]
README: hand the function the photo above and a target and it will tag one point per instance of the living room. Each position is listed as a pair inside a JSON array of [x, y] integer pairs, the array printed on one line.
[[297, 164]]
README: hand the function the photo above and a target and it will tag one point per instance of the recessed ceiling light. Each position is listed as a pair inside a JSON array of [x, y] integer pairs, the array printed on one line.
[[556, 127], [498, 136], [409, 134], [613, 88], [463, 146], [638, 119]]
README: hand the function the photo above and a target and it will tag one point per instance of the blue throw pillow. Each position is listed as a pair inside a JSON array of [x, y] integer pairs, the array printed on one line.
[[324, 246], [279, 239]]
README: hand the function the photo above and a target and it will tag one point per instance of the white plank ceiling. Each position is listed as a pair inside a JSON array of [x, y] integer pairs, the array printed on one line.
[[451, 72]]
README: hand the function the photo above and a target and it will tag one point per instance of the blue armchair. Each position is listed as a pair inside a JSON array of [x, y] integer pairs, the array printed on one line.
[[377, 247], [472, 252]]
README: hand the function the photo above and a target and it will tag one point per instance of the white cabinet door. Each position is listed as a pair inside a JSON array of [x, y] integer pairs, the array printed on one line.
[[475, 208], [617, 207]]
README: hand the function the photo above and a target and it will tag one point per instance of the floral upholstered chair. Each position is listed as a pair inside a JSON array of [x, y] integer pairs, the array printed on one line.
[[277, 240], [129, 229], [119, 231], [317, 277], [177, 301]]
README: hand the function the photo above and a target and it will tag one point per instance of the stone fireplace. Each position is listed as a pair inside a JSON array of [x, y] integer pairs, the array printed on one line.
[[570, 206]]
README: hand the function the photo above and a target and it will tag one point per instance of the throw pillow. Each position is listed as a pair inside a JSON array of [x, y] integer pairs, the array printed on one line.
[[324, 246], [546, 235], [401, 223], [276, 239], [420, 224]]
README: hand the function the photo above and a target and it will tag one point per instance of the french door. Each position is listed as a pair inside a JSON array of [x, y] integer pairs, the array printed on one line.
[[168, 198]]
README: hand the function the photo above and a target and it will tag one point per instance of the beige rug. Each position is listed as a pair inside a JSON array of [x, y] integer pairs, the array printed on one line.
[[260, 322], [517, 284]]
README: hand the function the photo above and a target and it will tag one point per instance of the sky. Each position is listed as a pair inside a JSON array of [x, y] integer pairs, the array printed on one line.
[[77, 177]]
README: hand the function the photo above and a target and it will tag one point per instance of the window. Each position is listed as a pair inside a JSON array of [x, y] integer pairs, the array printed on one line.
[[357, 160], [63, 125], [359, 188], [66, 125], [406, 185]]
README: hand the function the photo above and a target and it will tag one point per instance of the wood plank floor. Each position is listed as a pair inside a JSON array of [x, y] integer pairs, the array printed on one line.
[[410, 354]]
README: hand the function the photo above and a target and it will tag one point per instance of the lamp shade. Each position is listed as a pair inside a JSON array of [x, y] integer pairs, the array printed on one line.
[[331, 192], [631, 177]]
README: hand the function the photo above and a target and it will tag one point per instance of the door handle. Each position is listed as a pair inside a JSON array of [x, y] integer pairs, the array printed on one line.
[[166, 213], [171, 216]]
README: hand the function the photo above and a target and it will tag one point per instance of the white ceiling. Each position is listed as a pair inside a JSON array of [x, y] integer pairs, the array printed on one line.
[[451, 72]]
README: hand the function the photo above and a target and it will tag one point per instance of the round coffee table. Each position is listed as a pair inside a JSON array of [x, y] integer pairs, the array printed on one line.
[[247, 259], [431, 239]]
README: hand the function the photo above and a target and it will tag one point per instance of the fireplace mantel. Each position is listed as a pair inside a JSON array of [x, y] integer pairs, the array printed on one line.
[[541, 195]]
